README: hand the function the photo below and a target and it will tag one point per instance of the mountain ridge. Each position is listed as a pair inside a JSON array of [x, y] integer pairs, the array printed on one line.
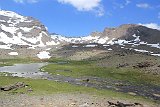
[[19, 33]]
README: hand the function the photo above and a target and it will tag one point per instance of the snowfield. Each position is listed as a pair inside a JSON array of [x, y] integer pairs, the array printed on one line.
[[44, 55], [13, 53]]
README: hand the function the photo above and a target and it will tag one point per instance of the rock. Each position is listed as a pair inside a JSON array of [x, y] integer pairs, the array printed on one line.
[[120, 104], [132, 93], [72, 104], [120, 84], [143, 65], [122, 65], [157, 95], [30, 90], [13, 86], [86, 80], [84, 105]]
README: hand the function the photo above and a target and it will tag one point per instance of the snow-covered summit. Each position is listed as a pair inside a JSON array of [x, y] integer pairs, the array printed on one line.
[[11, 14]]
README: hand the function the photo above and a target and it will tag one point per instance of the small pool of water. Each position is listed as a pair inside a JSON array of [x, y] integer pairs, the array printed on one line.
[[31, 70]]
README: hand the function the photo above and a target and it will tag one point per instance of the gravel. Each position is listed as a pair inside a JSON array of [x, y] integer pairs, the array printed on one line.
[[60, 100]]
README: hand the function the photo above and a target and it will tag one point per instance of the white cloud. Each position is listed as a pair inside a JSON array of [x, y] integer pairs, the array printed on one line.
[[86, 5], [151, 25], [100, 11], [26, 1], [121, 5], [19, 1], [127, 2], [143, 5]]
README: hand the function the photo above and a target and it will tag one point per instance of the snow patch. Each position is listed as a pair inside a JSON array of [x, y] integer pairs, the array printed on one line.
[[5, 47], [12, 30], [137, 38], [44, 55], [90, 46], [102, 40], [111, 42], [2, 21], [121, 42], [10, 14], [155, 45], [110, 49], [74, 46], [31, 47], [105, 45], [13, 53], [155, 54], [141, 50], [143, 43], [26, 29], [48, 49]]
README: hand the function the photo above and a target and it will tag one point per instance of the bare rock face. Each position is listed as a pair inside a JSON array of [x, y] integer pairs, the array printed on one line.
[[117, 32]]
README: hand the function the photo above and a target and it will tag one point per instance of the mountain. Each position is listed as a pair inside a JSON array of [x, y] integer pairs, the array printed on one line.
[[17, 30], [128, 36], [22, 36], [127, 32]]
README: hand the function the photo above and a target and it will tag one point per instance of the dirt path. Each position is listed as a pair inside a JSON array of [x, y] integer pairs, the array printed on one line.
[[62, 100]]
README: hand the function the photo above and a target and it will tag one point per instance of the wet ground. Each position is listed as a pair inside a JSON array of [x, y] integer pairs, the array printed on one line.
[[32, 71], [25, 70]]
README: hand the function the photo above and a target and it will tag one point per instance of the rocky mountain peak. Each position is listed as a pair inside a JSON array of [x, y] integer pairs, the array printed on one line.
[[118, 32]]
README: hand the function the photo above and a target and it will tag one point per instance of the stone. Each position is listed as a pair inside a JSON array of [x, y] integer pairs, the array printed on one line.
[[13, 86]]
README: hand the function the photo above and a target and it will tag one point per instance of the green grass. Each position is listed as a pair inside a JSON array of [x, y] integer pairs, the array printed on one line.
[[9, 62], [4, 74], [45, 87], [85, 68]]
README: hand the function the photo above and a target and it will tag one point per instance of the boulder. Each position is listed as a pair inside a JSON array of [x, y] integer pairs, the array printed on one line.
[[13, 86]]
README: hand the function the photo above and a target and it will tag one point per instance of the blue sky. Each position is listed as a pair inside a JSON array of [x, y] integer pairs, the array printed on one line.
[[81, 17]]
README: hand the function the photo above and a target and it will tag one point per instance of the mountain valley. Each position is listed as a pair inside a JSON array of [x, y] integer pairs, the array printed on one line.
[[121, 63]]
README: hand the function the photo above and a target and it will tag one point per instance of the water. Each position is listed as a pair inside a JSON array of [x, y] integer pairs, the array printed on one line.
[[31, 70]]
